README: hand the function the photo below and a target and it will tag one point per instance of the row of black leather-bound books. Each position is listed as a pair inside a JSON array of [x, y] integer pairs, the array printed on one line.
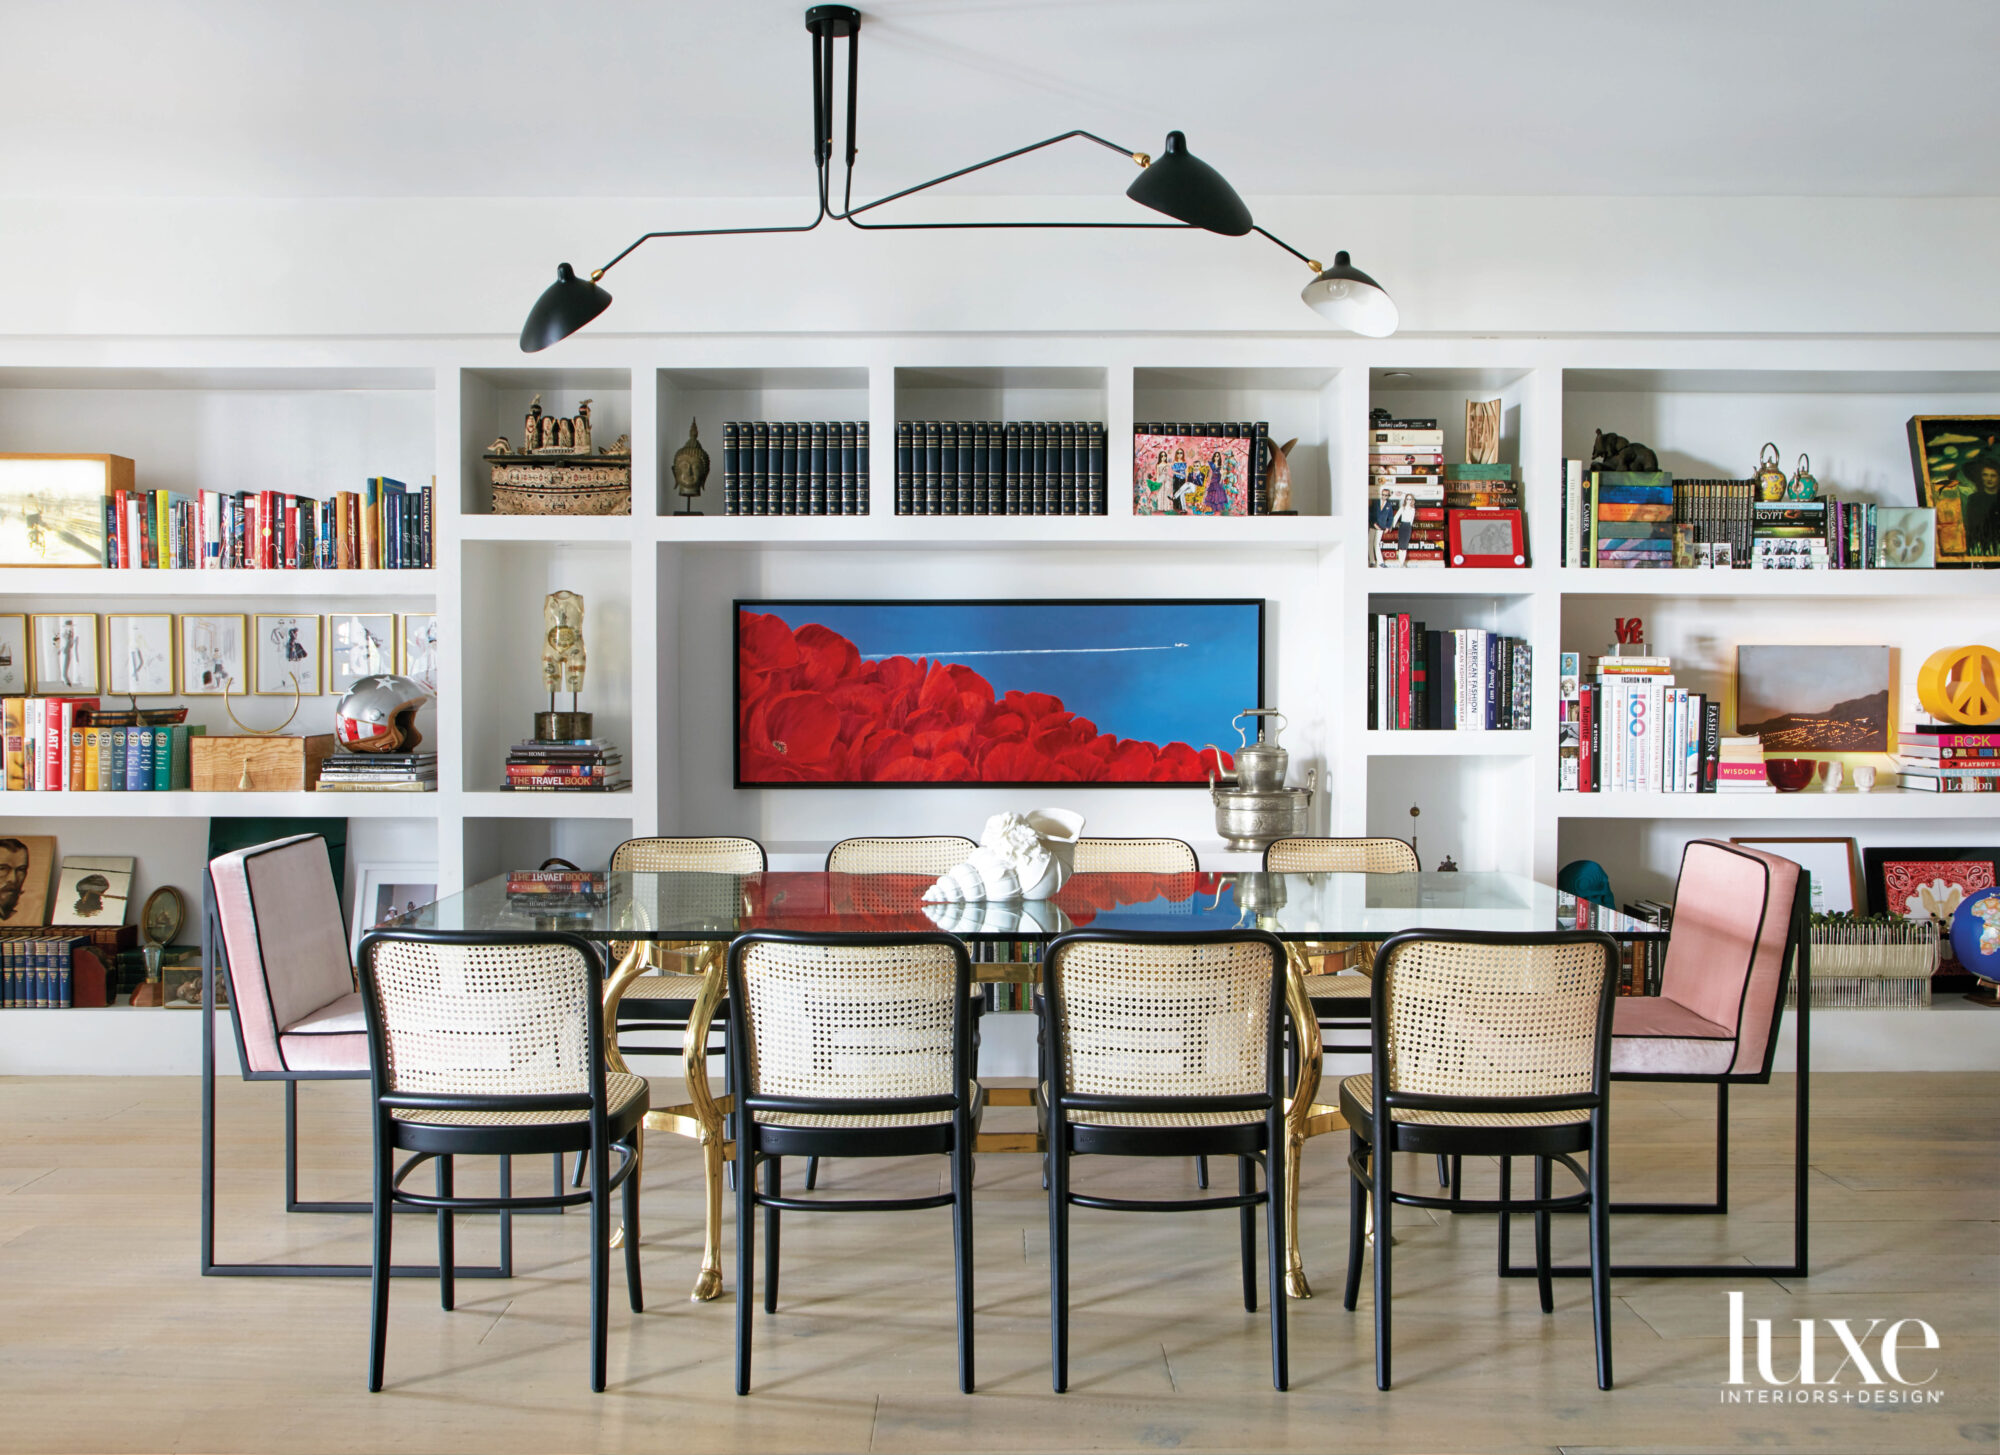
[[985, 467], [810, 467]]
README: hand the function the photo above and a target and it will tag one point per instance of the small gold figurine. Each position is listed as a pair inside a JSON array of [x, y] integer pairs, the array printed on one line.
[[562, 643]]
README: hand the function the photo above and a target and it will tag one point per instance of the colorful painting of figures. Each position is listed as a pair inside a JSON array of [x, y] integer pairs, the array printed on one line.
[[1956, 460], [1814, 699], [1022, 693], [1190, 474]]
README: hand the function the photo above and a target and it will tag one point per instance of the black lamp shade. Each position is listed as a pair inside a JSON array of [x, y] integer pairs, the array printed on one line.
[[564, 307], [1189, 190]]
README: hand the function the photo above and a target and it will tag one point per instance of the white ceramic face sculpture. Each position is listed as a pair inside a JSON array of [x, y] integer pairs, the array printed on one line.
[[1020, 856]]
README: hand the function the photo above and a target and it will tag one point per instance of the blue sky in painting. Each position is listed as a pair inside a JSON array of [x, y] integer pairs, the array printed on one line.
[[1160, 672]]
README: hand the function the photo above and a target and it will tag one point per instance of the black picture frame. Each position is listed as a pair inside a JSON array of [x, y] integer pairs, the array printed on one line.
[[1874, 861], [738, 605]]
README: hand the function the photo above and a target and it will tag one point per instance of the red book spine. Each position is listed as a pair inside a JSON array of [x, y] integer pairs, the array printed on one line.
[[1586, 718], [52, 743], [1402, 670], [267, 545], [292, 534]]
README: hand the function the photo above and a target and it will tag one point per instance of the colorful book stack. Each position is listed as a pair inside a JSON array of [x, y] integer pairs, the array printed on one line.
[[1712, 523], [52, 746], [379, 773], [1946, 758], [555, 891], [986, 467], [1462, 680], [385, 526], [1482, 487], [1631, 520], [1631, 730], [1739, 767], [1406, 458], [35, 970], [1790, 535], [795, 467], [588, 765]]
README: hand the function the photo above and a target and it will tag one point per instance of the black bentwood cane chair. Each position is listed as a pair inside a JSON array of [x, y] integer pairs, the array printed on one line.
[[493, 1045], [849, 1046], [1485, 1045], [1162, 1045]]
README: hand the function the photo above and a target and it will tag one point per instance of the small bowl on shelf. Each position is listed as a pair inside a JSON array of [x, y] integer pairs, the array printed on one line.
[[1789, 775]]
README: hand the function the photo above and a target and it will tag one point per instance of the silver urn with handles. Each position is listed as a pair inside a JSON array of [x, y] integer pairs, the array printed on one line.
[[1252, 805]]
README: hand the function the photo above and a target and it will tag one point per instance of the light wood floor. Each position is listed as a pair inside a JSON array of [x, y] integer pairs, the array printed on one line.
[[111, 1342]]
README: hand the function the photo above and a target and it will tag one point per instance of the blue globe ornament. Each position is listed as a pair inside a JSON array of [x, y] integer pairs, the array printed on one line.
[[1975, 933]]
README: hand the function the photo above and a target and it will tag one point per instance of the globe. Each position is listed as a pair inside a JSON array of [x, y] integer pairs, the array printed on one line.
[[1975, 933]]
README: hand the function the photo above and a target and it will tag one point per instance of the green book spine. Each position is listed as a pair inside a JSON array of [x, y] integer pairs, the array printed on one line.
[[163, 758]]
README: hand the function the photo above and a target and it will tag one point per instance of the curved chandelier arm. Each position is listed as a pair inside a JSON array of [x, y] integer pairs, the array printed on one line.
[[1309, 262], [707, 232], [850, 212]]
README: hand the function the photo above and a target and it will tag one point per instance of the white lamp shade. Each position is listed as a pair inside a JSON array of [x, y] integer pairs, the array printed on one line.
[[1348, 297]]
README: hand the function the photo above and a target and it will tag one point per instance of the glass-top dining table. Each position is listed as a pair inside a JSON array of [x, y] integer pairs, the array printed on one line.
[[681, 923]]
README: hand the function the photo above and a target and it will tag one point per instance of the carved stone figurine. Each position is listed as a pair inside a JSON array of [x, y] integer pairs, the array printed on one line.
[[531, 427], [690, 468], [579, 429], [1615, 452], [1279, 496], [499, 446], [620, 446], [562, 642]]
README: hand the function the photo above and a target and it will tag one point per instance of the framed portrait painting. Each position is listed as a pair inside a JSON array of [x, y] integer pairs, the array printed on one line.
[[139, 655], [93, 889], [359, 644], [65, 653], [1122, 693], [213, 658], [287, 654], [26, 863], [1956, 461]]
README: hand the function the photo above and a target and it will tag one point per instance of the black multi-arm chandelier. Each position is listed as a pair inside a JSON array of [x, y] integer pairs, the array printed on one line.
[[1177, 183]]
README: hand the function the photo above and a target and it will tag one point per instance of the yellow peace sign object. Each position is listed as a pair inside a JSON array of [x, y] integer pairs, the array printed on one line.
[[1961, 685]]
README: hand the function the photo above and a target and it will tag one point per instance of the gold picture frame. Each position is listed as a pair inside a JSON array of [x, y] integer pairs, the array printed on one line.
[[15, 676], [133, 661], [214, 650], [279, 657], [63, 663]]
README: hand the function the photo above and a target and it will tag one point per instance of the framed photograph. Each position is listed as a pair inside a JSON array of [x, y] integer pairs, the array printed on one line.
[[1929, 884], [212, 655], [65, 653], [1833, 863], [359, 645], [180, 981], [93, 889], [1487, 538], [1190, 474], [15, 679], [52, 507], [1809, 699], [26, 863], [139, 655], [1905, 537], [385, 892], [1956, 461], [1023, 693], [287, 652], [417, 648]]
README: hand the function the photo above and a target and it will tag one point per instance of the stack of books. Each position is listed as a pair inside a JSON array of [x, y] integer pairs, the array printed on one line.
[[986, 467], [1948, 758], [1712, 523], [1482, 487], [555, 891], [795, 467], [1633, 731], [1790, 535], [35, 969], [588, 765], [1406, 458], [1642, 962], [384, 526], [1623, 520], [1463, 680], [56, 744], [379, 773], [1739, 767]]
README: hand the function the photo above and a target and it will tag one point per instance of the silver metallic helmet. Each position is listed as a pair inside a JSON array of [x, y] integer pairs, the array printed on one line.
[[379, 715]]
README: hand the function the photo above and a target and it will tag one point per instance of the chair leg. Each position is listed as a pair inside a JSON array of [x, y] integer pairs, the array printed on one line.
[[812, 1175], [600, 1265], [582, 1165], [1457, 1176], [1385, 1239], [506, 1218], [1058, 1261], [1357, 1222], [447, 1294], [1246, 1183], [1201, 1173], [1542, 1237], [1506, 1218], [631, 1219], [746, 1255], [1445, 1178], [1600, 1254], [961, 1227], [1275, 1213], [772, 1186], [385, 1223]]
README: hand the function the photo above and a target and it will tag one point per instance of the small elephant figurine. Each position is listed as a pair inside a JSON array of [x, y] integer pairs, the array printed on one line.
[[1613, 452]]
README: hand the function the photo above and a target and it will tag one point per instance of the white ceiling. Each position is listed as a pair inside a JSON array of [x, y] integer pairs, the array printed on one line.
[[604, 98]]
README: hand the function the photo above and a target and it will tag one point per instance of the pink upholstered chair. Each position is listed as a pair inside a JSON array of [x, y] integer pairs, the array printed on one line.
[[1739, 929], [271, 925]]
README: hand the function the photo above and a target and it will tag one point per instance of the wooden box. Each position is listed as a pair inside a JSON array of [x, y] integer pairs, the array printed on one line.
[[275, 765]]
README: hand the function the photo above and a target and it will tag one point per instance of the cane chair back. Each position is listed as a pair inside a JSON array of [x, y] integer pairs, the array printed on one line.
[[1135, 856], [865, 1022], [721, 855], [1482, 1021], [1340, 856], [936, 854], [1172, 1018]]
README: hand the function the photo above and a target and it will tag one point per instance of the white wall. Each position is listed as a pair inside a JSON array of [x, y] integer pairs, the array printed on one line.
[[1470, 265]]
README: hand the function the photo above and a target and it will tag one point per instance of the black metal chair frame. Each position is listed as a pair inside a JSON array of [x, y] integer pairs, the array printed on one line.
[[214, 968], [1546, 1144], [1797, 957], [1249, 1142], [441, 1143], [758, 1141]]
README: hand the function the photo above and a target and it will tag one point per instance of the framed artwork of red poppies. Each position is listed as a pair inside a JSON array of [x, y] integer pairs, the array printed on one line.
[[1117, 693]]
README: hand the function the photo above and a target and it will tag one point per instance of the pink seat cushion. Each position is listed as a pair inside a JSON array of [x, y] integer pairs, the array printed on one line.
[[332, 1038], [1732, 916], [1654, 1036]]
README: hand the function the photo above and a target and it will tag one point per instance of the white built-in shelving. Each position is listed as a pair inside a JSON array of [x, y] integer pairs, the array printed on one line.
[[315, 415]]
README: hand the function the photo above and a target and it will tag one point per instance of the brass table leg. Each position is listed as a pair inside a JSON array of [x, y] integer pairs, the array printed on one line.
[[1305, 1026]]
